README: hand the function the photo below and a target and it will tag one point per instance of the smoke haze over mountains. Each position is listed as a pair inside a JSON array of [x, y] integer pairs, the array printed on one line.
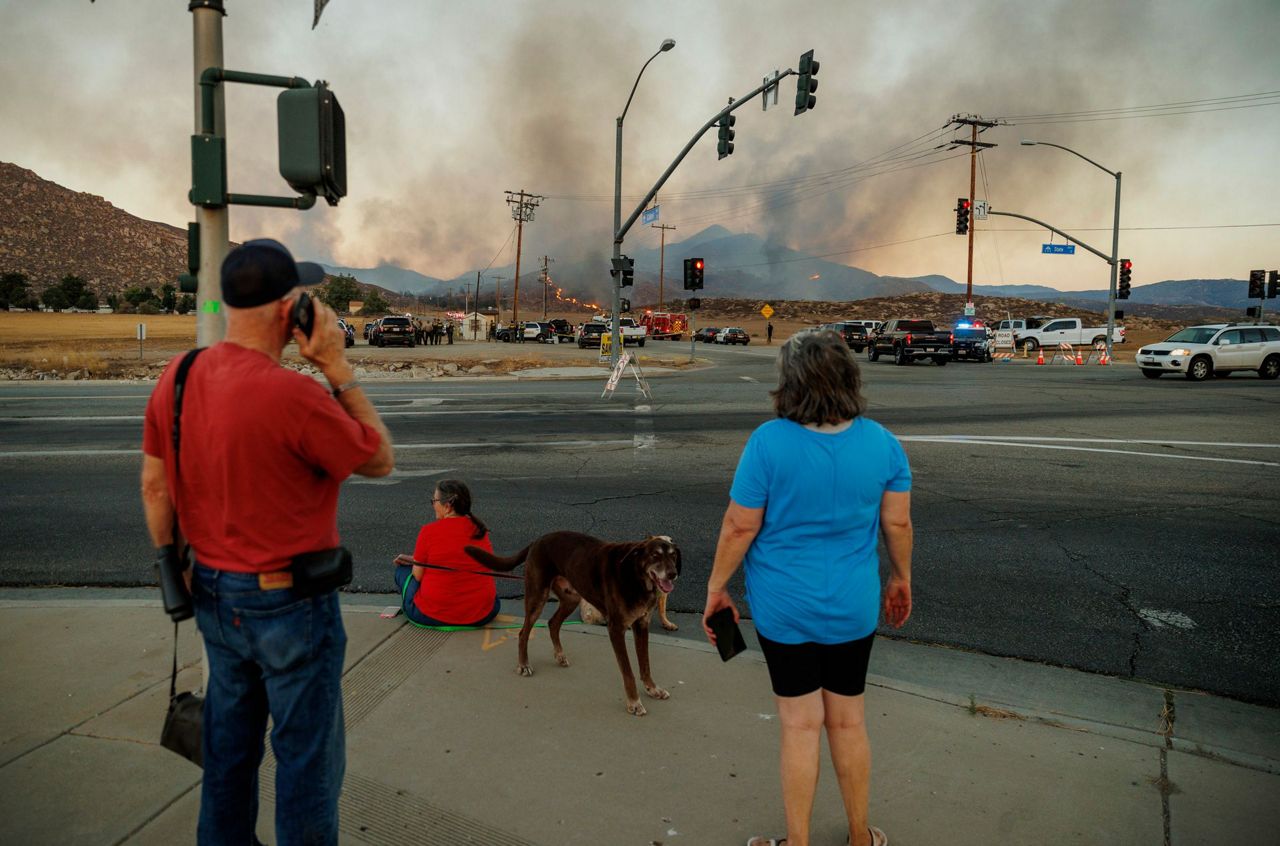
[[450, 104]]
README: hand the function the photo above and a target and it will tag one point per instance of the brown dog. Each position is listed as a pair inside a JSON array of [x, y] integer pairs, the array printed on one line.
[[623, 580]]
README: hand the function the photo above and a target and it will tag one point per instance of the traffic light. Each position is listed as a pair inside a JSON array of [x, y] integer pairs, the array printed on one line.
[[725, 145], [625, 305], [312, 136], [805, 82], [1256, 291], [188, 283], [624, 270], [1126, 275], [962, 215], [693, 268], [1273, 285]]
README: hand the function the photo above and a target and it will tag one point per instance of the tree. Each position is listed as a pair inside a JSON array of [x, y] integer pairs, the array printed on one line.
[[14, 291], [88, 301], [113, 302], [149, 307], [338, 293], [168, 297], [73, 287], [55, 298], [186, 303], [375, 304], [136, 296]]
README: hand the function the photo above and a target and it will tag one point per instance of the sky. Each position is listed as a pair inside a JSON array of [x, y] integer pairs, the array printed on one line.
[[451, 104]]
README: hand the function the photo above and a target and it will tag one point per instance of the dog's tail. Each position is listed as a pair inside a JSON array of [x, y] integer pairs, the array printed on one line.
[[495, 562]]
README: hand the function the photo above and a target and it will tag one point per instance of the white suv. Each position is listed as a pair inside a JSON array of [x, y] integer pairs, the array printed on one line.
[[1214, 350]]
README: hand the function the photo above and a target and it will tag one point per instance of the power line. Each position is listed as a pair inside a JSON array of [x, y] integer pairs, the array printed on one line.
[[1177, 104]]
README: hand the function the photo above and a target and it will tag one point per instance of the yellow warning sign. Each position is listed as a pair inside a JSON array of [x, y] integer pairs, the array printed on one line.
[[767, 311]]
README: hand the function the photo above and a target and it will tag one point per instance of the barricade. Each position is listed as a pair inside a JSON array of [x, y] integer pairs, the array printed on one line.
[[1066, 354], [1004, 358]]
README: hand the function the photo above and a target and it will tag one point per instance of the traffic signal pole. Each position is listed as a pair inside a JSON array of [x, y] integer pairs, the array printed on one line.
[[214, 223], [1115, 264], [973, 219]]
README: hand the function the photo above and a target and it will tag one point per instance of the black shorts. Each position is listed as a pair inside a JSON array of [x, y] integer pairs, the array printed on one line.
[[800, 668]]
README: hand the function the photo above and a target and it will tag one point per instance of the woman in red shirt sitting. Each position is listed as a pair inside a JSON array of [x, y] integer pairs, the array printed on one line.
[[433, 597]]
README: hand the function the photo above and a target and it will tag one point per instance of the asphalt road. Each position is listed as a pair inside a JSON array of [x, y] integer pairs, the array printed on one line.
[[1084, 517]]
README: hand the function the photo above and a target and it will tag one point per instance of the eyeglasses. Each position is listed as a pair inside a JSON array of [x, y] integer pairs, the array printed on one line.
[[441, 501]]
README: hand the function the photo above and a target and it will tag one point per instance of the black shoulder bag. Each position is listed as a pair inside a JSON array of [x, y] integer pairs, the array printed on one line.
[[183, 730]]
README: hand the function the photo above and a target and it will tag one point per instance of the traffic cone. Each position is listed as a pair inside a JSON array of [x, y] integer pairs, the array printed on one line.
[[1040, 356], [1079, 360]]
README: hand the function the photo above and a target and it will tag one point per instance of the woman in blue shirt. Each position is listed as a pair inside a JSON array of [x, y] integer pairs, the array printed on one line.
[[812, 492]]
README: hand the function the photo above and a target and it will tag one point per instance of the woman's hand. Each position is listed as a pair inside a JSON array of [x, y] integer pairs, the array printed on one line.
[[897, 601], [716, 600]]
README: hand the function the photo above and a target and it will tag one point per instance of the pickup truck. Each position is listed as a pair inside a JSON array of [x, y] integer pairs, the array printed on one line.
[[907, 340], [1065, 330], [631, 332]]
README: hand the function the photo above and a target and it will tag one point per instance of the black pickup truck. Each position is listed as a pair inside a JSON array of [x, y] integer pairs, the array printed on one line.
[[907, 340]]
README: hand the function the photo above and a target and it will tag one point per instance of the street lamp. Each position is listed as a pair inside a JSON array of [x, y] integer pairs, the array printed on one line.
[[1115, 234], [615, 340]]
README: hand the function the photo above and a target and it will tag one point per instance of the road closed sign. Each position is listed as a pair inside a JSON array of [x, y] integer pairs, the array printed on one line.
[[1004, 339], [767, 311]]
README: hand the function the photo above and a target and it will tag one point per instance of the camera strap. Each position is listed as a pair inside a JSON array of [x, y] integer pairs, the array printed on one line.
[[179, 388]]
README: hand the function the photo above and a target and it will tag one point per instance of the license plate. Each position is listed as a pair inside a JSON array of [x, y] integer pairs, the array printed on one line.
[[930, 349], [1146, 359]]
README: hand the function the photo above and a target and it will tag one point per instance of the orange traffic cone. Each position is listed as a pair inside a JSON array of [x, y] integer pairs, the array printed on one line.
[[1040, 356], [1079, 360]]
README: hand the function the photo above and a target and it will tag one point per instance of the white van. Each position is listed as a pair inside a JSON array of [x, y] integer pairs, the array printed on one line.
[[871, 325]]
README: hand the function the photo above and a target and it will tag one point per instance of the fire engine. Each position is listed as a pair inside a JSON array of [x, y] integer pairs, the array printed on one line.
[[665, 325]]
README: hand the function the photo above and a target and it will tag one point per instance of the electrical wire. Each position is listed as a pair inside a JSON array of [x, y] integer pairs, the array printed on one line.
[[986, 195]]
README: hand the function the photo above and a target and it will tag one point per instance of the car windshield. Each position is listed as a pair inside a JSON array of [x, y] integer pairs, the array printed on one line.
[[1192, 335], [395, 321]]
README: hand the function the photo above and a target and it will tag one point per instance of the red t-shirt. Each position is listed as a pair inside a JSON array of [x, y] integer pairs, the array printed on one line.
[[456, 598], [264, 450]]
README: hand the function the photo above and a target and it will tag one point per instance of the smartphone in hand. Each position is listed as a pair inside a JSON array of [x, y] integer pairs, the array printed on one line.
[[304, 313], [728, 636]]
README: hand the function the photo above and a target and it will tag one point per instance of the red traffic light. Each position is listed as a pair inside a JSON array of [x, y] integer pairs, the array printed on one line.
[[1126, 264], [964, 204], [698, 264]]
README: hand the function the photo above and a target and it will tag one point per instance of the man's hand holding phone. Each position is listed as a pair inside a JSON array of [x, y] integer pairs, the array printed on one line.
[[326, 347]]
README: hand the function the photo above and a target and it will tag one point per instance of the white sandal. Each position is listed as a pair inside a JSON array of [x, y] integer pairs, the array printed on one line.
[[878, 837], [768, 841]]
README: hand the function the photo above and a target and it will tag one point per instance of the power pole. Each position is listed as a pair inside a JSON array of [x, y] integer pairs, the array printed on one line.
[[977, 124], [475, 319], [662, 259], [522, 206], [546, 283]]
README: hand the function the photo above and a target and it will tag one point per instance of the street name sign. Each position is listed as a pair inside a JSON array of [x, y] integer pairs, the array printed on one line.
[[649, 215], [1058, 249]]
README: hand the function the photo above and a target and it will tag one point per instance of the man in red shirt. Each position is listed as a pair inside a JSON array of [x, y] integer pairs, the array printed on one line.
[[263, 452]]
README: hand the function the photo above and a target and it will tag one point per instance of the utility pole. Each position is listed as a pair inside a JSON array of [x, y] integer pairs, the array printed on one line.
[[546, 283], [977, 124], [475, 312], [214, 223], [522, 206], [662, 259]]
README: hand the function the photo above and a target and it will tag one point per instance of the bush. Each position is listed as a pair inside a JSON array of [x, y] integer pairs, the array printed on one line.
[[186, 303], [149, 307], [126, 308], [55, 298]]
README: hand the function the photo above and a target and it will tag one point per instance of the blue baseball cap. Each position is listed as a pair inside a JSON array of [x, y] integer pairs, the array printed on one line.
[[262, 271]]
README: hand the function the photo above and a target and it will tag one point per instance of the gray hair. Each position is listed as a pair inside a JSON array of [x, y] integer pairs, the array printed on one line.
[[818, 379]]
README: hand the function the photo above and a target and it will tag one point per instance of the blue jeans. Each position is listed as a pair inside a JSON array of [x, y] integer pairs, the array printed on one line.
[[403, 575], [270, 653]]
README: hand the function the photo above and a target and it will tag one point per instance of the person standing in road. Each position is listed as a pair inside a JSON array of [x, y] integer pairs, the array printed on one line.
[[264, 450], [812, 491], [769, 333], [448, 330]]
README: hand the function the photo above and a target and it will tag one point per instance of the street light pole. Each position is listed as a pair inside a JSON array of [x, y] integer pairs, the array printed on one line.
[[1115, 236], [615, 339]]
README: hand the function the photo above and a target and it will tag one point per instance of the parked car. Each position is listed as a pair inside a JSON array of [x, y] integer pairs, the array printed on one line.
[[539, 331], [733, 335], [1217, 349], [853, 332], [563, 329], [348, 331], [970, 343], [706, 334], [393, 330], [589, 334]]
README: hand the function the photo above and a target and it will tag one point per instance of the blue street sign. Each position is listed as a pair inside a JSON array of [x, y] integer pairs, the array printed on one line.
[[1059, 249], [649, 215]]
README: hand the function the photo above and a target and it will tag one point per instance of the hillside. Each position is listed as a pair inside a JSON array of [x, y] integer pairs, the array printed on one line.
[[47, 231]]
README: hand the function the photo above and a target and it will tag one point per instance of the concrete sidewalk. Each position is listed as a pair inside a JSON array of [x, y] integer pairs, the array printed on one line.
[[446, 744]]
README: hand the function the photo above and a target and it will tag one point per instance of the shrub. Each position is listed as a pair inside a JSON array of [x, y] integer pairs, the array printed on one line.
[[149, 307]]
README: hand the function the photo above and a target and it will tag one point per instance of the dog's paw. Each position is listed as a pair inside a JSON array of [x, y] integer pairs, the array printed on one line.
[[657, 692], [669, 626], [636, 708], [562, 660], [524, 670]]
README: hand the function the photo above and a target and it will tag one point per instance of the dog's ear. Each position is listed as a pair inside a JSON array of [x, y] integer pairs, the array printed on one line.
[[633, 556]]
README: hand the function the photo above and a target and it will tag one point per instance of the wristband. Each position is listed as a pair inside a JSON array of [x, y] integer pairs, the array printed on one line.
[[344, 387]]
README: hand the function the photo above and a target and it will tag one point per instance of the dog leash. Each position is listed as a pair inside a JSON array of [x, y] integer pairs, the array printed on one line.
[[406, 561]]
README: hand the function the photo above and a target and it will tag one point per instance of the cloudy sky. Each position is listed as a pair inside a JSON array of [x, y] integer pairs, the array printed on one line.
[[451, 103]]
